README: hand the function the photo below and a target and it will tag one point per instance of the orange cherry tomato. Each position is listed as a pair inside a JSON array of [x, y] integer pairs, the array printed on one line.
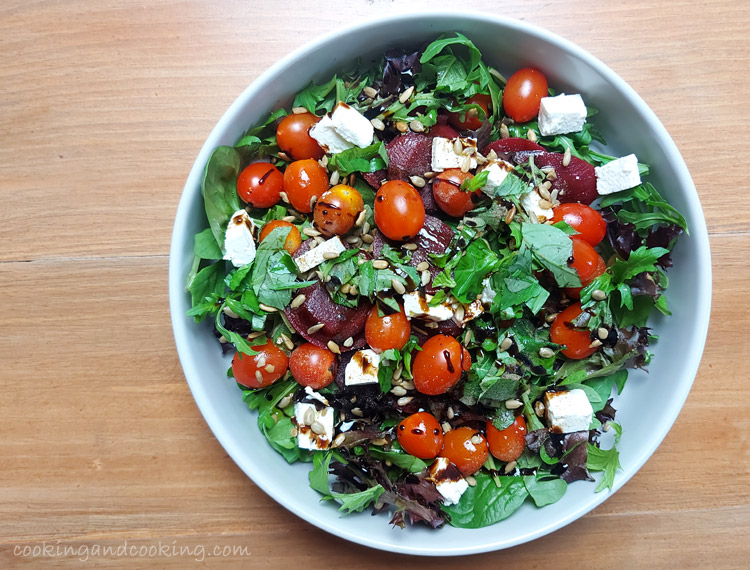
[[448, 194], [507, 444], [292, 241], [577, 342], [304, 179], [293, 136], [472, 119], [260, 184], [399, 211], [587, 262], [420, 435], [312, 365], [523, 93], [589, 223], [438, 366], [262, 369], [388, 331], [466, 448], [337, 209]]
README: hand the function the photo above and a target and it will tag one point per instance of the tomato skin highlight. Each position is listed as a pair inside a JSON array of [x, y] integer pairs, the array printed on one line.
[[523, 94], [460, 450], [420, 435], [399, 211], [293, 239], [260, 184], [388, 331], [577, 342], [337, 209], [438, 366], [293, 136], [245, 367], [446, 189], [312, 365], [589, 223], [303, 180], [588, 264], [507, 444], [471, 121]]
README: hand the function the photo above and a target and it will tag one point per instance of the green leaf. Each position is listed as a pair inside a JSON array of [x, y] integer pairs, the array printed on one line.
[[436, 47], [489, 501], [206, 282], [219, 189], [641, 260], [607, 460], [357, 502], [368, 159], [475, 183], [511, 185], [318, 476], [545, 490], [400, 459], [206, 246], [475, 264], [551, 248]]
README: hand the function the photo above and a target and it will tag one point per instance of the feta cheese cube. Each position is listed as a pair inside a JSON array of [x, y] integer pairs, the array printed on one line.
[[562, 114], [239, 244], [471, 311], [448, 480], [318, 433], [351, 125], [324, 132], [497, 170], [488, 293], [313, 395], [618, 175], [314, 257], [362, 368], [530, 203], [444, 153], [569, 411], [417, 307]]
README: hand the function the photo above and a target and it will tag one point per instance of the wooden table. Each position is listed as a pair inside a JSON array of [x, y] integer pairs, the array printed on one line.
[[103, 107]]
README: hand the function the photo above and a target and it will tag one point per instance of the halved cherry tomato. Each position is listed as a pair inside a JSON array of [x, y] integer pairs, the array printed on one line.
[[587, 262], [260, 184], [507, 444], [262, 369], [293, 136], [448, 194], [465, 359], [304, 179], [589, 223], [312, 365], [388, 331], [577, 342], [523, 93], [466, 448], [472, 120], [337, 209], [437, 367], [420, 435], [293, 239], [399, 211]]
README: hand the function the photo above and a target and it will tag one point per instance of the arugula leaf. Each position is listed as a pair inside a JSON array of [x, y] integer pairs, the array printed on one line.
[[475, 183], [207, 282], [489, 501], [640, 260], [219, 189], [607, 460], [436, 47], [357, 502], [368, 159], [477, 261], [551, 248]]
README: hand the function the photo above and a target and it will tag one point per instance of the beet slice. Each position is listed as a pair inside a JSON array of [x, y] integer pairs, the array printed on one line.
[[376, 179], [428, 199], [443, 130], [511, 145], [409, 155], [574, 183]]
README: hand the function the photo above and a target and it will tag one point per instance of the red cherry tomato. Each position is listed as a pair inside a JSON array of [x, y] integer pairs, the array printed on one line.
[[388, 331], [304, 179], [472, 120], [293, 239], [448, 194], [577, 342], [437, 367], [399, 211], [262, 369], [312, 365], [293, 136], [420, 435], [507, 444], [260, 184], [523, 93], [587, 262], [466, 448], [465, 359], [337, 209], [589, 223]]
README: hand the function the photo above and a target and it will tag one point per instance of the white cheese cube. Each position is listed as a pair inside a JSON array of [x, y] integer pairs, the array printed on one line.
[[618, 175], [352, 126], [488, 293], [319, 421], [448, 480], [314, 257], [562, 114], [530, 203], [417, 307], [471, 311], [444, 153], [569, 411], [362, 368], [312, 394], [324, 132], [497, 170], [239, 244]]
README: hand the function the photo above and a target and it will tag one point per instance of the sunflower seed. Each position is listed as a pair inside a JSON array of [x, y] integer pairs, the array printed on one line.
[[267, 308], [259, 376], [398, 371], [330, 255], [284, 156], [596, 343], [466, 164], [285, 401], [324, 161], [294, 432], [566, 157], [285, 197], [401, 126], [398, 287], [423, 266], [407, 385], [377, 124], [223, 340], [370, 92], [470, 481], [544, 192], [398, 391], [425, 277], [409, 246], [506, 344], [513, 404], [360, 219], [602, 333], [229, 313], [457, 146], [510, 215], [287, 341], [379, 263], [366, 227], [404, 97], [539, 409], [339, 440], [334, 179], [270, 368], [551, 317], [367, 238], [531, 135], [311, 232], [504, 132], [348, 342], [315, 328], [357, 412], [352, 239], [416, 126], [459, 314], [510, 467], [312, 202], [261, 361], [598, 295], [450, 414], [380, 441], [417, 181], [317, 428], [428, 175], [405, 401], [333, 347], [546, 352], [353, 290], [476, 439], [298, 300]]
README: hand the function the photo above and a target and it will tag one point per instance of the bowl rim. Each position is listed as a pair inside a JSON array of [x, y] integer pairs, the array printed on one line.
[[698, 234]]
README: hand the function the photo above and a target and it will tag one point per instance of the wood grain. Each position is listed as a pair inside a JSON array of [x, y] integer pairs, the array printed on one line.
[[103, 107]]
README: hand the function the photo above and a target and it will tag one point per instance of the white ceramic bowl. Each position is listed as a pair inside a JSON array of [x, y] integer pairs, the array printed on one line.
[[650, 402]]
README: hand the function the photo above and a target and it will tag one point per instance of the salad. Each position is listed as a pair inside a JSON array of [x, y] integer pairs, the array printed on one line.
[[433, 285]]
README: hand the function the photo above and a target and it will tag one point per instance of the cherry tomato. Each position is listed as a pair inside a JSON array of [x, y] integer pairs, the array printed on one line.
[[465, 359], [437, 367], [337, 209], [420, 435], [523, 93], [587, 262], [293, 239], [312, 365], [260, 184], [448, 194], [577, 342], [293, 136], [507, 444], [262, 369], [472, 121], [466, 448], [388, 331], [589, 223], [304, 179], [399, 211]]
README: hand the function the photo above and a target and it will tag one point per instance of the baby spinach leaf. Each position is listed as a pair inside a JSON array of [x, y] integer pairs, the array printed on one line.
[[545, 490], [488, 502], [207, 281], [551, 248], [318, 476], [368, 159], [206, 246], [400, 459], [219, 189], [475, 264]]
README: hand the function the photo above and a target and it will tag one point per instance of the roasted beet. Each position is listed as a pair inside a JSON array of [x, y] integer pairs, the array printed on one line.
[[375, 179], [574, 183], [505, 147], [442, 130], [409, 155]]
